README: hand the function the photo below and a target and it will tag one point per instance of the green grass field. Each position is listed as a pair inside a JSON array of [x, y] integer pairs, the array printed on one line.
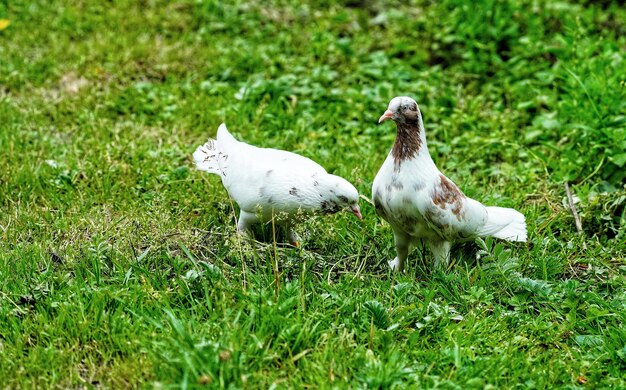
[[119, 263]]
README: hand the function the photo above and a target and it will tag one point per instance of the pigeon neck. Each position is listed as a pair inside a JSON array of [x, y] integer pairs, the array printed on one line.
[[409, 140]]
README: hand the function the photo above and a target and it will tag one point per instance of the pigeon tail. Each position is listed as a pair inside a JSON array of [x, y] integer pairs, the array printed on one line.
[[225, 138], [205, 157], [211, 157], [507, 224]]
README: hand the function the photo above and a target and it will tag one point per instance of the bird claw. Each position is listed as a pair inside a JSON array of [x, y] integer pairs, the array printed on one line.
[[245, 234], [296, 244], [395, 265]]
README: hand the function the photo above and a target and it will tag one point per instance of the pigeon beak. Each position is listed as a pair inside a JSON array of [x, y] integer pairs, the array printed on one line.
[[357, 211], [387, 115]]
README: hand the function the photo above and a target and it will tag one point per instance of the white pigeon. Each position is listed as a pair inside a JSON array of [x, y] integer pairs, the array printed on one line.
[[421, 204], [268, 182]]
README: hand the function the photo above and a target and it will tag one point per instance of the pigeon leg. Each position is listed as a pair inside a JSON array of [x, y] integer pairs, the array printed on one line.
[[292, 236], [402, 242], [246, 220], [441, 251]]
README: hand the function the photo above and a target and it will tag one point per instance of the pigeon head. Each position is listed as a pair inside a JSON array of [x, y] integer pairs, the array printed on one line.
[[401, 109], [340, 195], [404, 111]]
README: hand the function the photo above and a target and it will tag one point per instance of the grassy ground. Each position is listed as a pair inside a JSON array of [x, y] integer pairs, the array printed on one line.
[[118, 262]]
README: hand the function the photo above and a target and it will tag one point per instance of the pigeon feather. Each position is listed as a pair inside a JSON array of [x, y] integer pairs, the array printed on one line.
[[423, 205], [267, 182]]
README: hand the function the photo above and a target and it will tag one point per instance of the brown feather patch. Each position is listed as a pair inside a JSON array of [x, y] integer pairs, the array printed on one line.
[[447, 193]]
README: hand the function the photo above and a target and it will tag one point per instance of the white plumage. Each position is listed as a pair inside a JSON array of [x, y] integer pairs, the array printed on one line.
[[421, 204], [269, 182]]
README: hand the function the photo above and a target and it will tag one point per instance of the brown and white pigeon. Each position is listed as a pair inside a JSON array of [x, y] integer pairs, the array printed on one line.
[[421, 204], [269, 182]]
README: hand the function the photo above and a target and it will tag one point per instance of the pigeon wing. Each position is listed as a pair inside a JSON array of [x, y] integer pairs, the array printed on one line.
[[450, 213], [264, 177]]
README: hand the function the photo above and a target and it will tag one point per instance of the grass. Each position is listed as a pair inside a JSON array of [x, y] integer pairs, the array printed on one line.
[[119, 266]]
